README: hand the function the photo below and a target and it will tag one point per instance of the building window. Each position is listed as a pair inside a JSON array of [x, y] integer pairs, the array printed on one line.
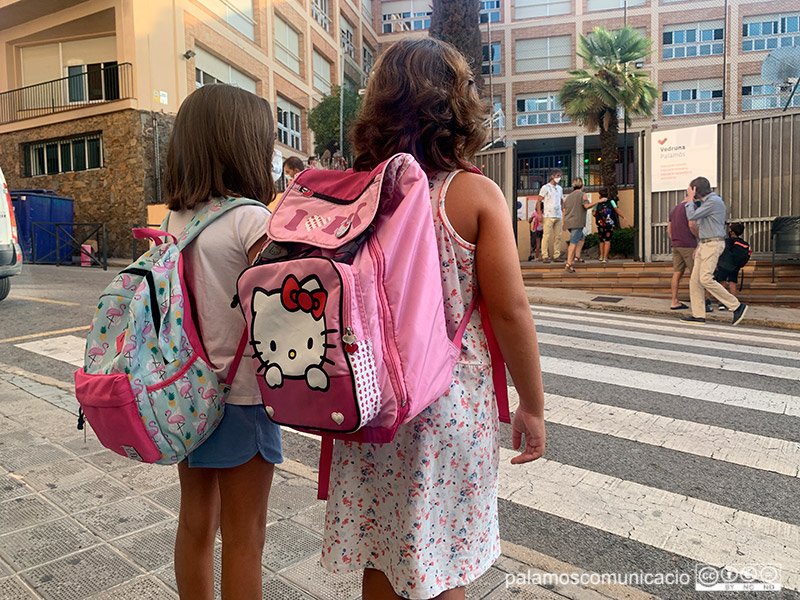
[[539, 109], [319, 10], [289, 124], [287, 45], [770, 32], [366, 10], [405, 15], [758, 95], [348, 47], [369, 59], [544, 54], [96, 82], [691, 97], [490, 11], [237, 13], [592, 5], [322, 73], [89, 66], [63, 155], [528, 9], [685, 41], [493, 63], [210, 69]]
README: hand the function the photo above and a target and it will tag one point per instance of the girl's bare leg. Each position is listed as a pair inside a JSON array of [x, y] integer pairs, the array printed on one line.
[[244, 493], [197, 530]]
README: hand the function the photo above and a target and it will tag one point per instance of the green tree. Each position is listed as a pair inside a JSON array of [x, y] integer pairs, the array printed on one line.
[[594, 96], [323, 119], [458, 23]]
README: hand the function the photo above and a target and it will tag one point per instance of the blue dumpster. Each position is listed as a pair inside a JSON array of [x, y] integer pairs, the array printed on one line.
[[42, 206]]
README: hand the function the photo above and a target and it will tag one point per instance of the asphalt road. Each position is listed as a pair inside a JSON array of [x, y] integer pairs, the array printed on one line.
[[669, 446]]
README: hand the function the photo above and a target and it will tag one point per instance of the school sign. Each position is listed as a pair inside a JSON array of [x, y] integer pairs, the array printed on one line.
[[680, 155]]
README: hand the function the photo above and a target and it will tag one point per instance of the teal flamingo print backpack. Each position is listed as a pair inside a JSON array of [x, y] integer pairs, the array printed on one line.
[[146, 386]]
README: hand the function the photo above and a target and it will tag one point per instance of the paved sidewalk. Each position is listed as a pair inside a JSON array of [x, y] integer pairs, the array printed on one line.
[[78, 521], [764, 316]]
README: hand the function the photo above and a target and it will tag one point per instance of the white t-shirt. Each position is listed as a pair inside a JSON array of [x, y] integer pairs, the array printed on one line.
[[212, 262], [551, 196]]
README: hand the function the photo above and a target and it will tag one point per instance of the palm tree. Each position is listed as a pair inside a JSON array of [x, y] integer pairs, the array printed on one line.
[[594, 96]]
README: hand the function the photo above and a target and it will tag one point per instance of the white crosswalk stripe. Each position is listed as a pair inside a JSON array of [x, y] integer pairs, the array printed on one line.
[[66, 348], [687, 333], [672, 356], [675, 386], [791, 337], [580, 326], [746, 449]]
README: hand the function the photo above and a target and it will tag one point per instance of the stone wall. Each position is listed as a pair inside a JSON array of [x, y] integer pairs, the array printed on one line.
[[115, 194]]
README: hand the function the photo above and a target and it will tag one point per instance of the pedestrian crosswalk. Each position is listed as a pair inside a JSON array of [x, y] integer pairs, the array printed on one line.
[[665, 443], [711, 398]]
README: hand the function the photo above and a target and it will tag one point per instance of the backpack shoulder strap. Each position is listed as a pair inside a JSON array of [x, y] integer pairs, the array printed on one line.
[[208, 214], [498, 363]]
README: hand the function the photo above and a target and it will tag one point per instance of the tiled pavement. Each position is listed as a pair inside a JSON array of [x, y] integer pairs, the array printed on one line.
[[78, 521]]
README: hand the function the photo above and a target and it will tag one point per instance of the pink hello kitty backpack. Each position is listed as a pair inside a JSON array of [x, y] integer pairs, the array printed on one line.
[[345, 307]]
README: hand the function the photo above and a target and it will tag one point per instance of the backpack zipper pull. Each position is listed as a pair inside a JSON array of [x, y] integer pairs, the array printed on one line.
[[235, 301], [349, 339]]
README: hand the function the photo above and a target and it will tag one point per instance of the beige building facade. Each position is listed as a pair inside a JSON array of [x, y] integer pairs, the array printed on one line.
[[89, 89]]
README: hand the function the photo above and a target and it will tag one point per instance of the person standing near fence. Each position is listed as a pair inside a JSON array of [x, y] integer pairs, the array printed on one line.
[[537, 227], [683, 246], [576, 204], [706, 215], [553, 199]]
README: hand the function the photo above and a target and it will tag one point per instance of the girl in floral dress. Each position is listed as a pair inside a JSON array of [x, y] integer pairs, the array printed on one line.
[[419, 514]]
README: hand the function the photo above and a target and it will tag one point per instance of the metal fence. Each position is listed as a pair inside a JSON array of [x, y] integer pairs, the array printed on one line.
[[498, 165], [92, 85]]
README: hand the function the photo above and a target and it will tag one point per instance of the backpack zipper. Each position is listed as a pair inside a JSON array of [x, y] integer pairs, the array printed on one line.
[[389, 348], [348, 336], [332, 199]]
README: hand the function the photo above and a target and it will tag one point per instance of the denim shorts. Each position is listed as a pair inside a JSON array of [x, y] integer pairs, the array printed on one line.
[[576, 235], [244, 431]]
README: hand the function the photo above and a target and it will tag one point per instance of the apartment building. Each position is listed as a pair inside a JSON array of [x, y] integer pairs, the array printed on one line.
[[706, 65], [89, 88]]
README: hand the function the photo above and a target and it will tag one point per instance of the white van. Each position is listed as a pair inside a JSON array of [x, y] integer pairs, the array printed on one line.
[[10, 252]]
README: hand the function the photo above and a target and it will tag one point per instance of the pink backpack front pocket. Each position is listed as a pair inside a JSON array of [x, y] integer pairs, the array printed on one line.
[[313, 354]]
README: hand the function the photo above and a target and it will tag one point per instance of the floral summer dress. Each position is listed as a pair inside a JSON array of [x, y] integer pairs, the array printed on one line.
[[423, 508]]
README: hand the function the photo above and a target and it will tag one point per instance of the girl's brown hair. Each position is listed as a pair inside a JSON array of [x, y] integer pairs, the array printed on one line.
[[421, 99], [221, 145]]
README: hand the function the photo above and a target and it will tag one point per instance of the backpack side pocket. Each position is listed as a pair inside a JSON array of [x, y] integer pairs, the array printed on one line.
[[110, 407]]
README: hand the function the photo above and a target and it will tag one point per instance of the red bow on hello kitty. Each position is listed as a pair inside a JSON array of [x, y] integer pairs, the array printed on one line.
[[294, 298]]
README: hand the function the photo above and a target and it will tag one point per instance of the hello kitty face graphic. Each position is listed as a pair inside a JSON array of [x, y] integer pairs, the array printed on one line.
[[289, 336]]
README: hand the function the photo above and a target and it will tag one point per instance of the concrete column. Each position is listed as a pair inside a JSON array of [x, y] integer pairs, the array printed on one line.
[[646, 202]]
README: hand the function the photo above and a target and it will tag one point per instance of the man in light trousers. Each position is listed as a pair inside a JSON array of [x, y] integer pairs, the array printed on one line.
[[706, 213], [553, 200]]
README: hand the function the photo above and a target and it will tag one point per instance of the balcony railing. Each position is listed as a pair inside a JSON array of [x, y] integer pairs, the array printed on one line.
[[95, 85]]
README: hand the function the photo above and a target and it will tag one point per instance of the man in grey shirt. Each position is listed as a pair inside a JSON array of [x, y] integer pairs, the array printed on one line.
[[707, 222]]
